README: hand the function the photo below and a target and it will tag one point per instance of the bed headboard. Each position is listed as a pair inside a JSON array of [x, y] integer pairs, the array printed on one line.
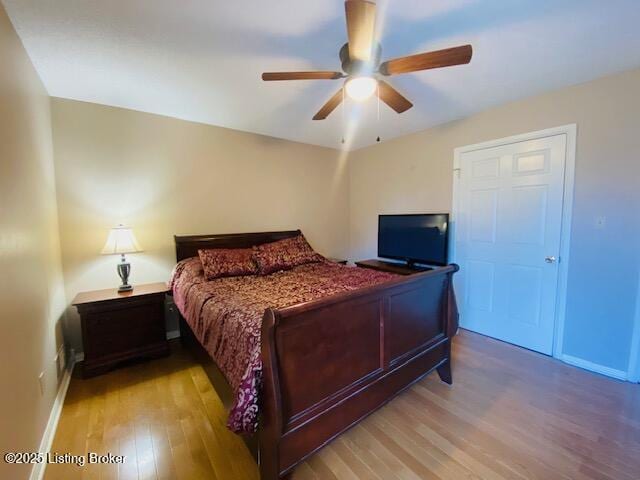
[[187, 245]]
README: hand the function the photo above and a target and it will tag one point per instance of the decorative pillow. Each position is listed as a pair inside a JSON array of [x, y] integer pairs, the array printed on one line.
[[284, 254], [227, 262], [189, 270]]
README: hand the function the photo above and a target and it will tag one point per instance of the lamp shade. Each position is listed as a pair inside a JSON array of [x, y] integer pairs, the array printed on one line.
[[121, 240]]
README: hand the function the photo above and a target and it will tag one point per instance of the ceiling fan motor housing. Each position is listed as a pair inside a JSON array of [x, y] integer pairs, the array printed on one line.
[[359, 67]]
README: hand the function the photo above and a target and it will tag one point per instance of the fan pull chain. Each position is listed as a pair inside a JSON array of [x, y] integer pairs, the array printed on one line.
[[344, 123], [378, 104]]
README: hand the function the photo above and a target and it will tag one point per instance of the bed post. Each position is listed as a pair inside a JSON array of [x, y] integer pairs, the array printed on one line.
[[450, 328], [270, 428]]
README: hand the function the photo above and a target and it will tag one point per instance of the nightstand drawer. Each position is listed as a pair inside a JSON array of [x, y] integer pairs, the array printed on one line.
[[121, 330]]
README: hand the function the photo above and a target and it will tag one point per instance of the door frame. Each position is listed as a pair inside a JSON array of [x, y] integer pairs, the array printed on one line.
[[634, 355], [571, 132]]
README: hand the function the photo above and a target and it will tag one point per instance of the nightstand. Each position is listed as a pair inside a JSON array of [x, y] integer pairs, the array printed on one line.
[[121, 326]]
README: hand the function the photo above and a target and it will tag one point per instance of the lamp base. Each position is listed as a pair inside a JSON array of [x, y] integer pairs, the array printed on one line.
[[124, 269]]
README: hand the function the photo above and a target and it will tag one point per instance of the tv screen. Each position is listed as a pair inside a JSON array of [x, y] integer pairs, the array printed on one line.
[[420, 238]]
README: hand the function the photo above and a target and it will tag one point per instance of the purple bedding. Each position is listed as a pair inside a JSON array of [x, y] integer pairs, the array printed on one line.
[[225, 315]]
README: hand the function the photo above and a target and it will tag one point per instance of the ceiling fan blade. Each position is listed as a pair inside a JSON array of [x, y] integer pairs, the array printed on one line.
[[271, 76], [424, 61], [392, 97], [361, 20], [330, 106]]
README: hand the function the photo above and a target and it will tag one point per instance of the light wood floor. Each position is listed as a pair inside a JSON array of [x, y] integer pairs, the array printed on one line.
[[511, 414]]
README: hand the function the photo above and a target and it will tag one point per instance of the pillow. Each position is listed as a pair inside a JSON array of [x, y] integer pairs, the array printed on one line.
[[188, 270], [227, 262], [284, 254]]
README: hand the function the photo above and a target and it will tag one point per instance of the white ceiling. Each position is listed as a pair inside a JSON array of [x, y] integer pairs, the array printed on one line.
[[201, 60]]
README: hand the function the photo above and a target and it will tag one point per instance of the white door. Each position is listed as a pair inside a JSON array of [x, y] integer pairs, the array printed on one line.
[[508, 240]]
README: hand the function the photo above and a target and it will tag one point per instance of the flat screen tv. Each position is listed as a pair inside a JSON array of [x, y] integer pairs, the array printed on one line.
[[414, 238]]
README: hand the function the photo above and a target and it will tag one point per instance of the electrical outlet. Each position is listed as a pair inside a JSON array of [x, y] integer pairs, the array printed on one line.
[[41, 383]]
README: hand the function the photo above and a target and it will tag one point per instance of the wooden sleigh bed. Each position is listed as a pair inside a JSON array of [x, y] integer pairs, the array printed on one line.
[[328, 363]]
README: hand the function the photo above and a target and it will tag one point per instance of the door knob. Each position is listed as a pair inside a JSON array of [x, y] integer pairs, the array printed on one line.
[[550, 259]]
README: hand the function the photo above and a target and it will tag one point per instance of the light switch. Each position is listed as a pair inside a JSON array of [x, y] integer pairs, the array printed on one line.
[[601, 222]]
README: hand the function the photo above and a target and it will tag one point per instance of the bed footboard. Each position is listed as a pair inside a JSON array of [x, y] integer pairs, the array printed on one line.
[[329, 363]]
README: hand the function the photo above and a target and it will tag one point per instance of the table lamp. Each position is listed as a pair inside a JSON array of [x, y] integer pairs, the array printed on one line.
[[120, 241]]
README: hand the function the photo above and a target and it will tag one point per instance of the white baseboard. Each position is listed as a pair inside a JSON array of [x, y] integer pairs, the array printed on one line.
[[594, 367], [37, 472]]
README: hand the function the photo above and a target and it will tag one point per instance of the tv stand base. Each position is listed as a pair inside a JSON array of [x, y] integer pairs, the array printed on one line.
[[399, 268]]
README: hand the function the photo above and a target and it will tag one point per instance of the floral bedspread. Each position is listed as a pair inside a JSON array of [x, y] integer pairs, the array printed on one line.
[[226, 315]]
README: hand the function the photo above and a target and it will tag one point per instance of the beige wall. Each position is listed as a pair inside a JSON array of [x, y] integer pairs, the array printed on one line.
[[414, 174], [164, 176], [31, 291]]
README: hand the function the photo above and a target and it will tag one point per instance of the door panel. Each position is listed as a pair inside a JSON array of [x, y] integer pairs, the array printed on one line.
[[484, 204], [481, 277], [531, 163], [509, 221], [530, 209], [525, 294]]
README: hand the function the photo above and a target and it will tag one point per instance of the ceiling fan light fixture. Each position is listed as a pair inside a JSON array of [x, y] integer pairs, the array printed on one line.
[[360, 88]]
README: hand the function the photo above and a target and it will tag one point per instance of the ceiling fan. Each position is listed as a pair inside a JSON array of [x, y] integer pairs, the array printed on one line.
[[361, 65]]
